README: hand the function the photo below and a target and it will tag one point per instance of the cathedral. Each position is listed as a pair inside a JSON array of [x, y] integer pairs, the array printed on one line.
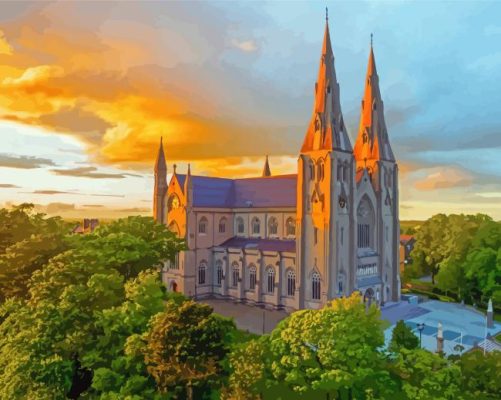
[[294, 241]]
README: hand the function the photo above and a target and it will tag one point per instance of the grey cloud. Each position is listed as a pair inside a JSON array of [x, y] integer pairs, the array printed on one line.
[[90, 172], [24, 162]]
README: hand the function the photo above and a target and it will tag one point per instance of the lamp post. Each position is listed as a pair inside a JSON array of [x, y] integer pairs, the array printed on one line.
[[420, 327]]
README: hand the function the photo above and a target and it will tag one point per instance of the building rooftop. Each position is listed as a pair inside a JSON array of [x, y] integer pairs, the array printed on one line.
[[261, 244], [260, 192], [405, 238]]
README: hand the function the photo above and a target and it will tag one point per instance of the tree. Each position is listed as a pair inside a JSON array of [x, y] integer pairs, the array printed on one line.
[[423, 375], [248, 371], [480, 374], [332, 352], [445, 239], [185, 348], [27, 242], [403, 337], [79, 314]]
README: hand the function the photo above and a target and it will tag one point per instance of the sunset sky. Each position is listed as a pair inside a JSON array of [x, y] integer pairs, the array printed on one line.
[[88, 88]]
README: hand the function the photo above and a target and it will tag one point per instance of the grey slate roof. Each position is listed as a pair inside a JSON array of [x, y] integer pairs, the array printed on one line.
[[272, 191], [261, 244]]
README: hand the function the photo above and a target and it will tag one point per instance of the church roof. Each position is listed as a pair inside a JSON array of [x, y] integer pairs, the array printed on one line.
[[326, 129], [261, 192], [261, 244]]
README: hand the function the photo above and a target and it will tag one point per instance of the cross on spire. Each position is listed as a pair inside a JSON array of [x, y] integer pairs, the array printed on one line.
[[371, 38], [326, 14]]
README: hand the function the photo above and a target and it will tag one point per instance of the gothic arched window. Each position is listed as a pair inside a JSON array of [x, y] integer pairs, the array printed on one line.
[[235, 274], [270, 278], [240, 225], [290, 227], [219, 272], [202, 269], [173, 202], [365, 224], [291, 282], [252, 277], [256, 226], [345, 172], [272, 226], [312, 170], [202, 225], [315, 286], [222, 225]]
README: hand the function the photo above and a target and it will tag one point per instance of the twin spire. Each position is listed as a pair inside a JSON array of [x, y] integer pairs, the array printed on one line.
[[372, 143], [327, 130]]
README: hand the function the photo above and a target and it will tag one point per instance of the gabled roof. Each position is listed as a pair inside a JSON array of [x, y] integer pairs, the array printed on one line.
[[404, 239], [261, 192], [261, 244]]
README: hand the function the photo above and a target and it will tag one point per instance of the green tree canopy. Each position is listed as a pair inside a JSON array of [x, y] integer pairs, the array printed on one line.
[[403, 337], [67, 320], [185, 348], [27, 241]]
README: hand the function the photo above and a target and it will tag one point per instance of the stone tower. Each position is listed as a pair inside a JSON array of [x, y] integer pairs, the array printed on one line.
[[377, 190], [160, 188], [324, 193]]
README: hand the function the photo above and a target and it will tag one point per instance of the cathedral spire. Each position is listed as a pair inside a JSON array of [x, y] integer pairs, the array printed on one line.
[[326, 130], [160, 164], [266, 169], [160, 188], [372, 143]]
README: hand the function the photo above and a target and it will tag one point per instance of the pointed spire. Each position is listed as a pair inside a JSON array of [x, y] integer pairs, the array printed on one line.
[[160, 164], [372, 143], [266, 169], [326, 129], [188, 186]]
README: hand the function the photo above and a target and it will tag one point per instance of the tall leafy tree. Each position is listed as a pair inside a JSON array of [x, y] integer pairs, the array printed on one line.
[[57, 333], [423, 375], [185, 348], [480, 375], [27, 241], [403, 337], [333, 352]]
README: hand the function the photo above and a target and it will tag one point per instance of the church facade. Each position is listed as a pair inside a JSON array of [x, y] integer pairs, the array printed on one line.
[[294, 241]]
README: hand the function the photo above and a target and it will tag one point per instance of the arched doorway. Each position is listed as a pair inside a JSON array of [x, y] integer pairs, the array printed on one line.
[[173, 286], [368, 296]]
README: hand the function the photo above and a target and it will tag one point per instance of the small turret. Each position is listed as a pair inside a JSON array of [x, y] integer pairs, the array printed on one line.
[[188, 187], [266, 169], [160, 185]]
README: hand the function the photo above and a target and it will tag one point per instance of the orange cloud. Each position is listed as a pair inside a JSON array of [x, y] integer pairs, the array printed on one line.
[[115, 90], [4, 45], [444, 178]]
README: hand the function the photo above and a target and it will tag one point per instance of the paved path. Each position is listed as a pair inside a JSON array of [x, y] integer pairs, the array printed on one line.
[[248, 318], [461, 325]]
